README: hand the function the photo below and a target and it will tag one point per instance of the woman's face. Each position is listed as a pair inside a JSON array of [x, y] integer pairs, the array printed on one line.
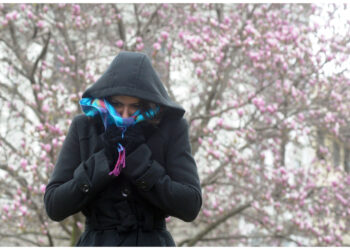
[[125, 105]]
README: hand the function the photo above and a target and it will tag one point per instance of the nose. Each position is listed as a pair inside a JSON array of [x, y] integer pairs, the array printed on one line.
[[125, 112]]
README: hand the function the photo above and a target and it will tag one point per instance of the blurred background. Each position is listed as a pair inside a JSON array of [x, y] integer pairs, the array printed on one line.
[[267, 93]]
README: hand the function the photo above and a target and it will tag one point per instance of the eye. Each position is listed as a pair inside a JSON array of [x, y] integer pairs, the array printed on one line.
[[115, 103], [136, 105]]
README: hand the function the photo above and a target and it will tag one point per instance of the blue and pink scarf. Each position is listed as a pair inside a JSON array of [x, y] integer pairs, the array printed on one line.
[[109, 116]]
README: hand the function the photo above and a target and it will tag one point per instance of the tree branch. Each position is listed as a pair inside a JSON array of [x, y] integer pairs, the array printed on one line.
[[212, 226]]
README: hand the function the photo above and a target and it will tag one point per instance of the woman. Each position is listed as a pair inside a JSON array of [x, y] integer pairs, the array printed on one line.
[[126, 174]]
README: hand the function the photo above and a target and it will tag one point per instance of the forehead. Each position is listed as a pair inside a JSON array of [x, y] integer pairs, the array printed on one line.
[[125, 99]]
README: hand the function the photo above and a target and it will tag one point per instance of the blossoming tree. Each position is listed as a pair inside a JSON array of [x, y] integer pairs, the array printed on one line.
[[263, 85]]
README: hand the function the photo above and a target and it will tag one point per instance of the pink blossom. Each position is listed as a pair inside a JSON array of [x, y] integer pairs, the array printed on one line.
[[24, 210], [157, 46], [55, 142], [259, 103], [215, 204], [24, 163], [215, 153], [277, 205], [329, 118], [140, 46], [218, 59], [76, 9], [40, 96], [47, 147], [341, 199], [328, 239], [42, 188], [60, 58], [271, 109], [5, 208], [40, 127], [45, 108], [220, 122], [283, 171], [206, 212], [164, 35], [40, 24], [72, 58], [181, 35], [30, 14], [139, 39], [240, 112], [119, 43], [254, 56], [12, 15], [199, 71]]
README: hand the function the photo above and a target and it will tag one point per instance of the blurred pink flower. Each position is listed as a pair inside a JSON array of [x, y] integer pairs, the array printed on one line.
[[30, 14], [164, 35], [45, 108], [76, 9], [139, 39], [119, 43], [11, 16], [140, 46], [47, 147], [72, 58], [40, 24], [42, 188], [157, 46], [206, 212], [199, 71], [40, 97], [24, 163]]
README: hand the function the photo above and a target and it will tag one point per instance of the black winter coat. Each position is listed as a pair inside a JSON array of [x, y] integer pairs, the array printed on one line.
[[160, 178]]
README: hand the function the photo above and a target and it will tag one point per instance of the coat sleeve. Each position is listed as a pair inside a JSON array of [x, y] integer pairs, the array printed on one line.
[[74, 182], [174, 188]]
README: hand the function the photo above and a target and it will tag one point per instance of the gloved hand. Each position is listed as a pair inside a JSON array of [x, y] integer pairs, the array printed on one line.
[[110, 139], [134, 136]]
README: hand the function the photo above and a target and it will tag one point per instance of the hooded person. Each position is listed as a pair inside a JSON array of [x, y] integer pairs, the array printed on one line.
[[126, 172]]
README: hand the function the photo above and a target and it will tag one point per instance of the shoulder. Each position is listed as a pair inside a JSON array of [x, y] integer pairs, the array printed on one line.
[[174, 125], [80, 120], [83, 125]]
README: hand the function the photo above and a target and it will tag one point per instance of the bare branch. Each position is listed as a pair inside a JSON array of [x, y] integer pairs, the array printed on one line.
[[212, 226]]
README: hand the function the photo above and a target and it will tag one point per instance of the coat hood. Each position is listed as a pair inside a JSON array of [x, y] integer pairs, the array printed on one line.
[[132, 74]]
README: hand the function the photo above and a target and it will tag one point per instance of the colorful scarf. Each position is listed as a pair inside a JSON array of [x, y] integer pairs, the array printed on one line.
[[109, 116]]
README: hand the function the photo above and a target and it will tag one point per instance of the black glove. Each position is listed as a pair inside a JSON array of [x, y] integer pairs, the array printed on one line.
[[134, 136], [110, 139]]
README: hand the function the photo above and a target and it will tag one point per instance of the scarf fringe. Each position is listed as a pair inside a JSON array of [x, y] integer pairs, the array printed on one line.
[[121, 161]]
